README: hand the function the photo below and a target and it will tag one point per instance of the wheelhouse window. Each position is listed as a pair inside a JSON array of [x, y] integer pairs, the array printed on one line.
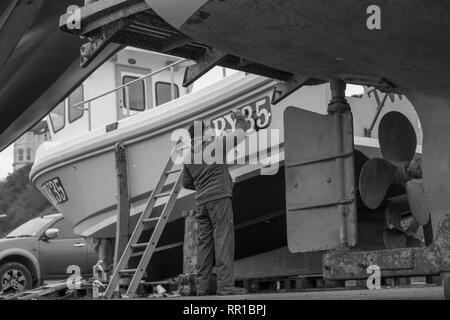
[[57, 117], [76, 97], [164, 92], [135, 100]]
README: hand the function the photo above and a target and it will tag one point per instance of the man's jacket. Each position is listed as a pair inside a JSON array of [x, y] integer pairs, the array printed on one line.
[[211, 181]]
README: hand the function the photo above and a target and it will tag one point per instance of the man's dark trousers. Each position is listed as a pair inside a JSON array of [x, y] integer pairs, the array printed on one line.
[[215, 243]]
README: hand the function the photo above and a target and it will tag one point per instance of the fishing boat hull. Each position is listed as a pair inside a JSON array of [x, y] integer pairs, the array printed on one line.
[[79, 176], [85, 167]]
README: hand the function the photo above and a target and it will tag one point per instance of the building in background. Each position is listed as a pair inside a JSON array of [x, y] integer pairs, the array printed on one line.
[[25, 147]]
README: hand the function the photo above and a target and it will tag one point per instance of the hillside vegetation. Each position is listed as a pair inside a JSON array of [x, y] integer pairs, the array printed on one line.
[[20, 201]]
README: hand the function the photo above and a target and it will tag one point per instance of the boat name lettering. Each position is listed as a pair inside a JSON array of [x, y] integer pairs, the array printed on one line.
[[54, 190], [258, 113]]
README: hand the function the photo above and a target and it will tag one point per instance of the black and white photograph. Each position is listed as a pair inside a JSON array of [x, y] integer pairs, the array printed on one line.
[[220, 155]]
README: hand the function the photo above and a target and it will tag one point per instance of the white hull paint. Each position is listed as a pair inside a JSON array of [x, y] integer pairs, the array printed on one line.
[[85, 165]]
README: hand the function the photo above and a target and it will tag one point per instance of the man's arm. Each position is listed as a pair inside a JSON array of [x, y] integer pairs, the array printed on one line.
[[188, 181], [241, 127]]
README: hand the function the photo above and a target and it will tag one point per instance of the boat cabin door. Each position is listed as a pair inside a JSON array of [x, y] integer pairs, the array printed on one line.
[[320, 184], [136, 97]]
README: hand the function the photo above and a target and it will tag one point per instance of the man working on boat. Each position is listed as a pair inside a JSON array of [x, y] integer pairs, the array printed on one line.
[[214, 214]]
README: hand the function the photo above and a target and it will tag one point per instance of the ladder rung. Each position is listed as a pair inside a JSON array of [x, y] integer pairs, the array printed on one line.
[[150, 247], [162, 194], [173, 171], [150, 220], [139, 245], [125, 271]]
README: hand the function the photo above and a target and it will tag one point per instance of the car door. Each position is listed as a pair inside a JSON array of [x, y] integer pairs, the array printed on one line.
[[92, 256], [56, 255]]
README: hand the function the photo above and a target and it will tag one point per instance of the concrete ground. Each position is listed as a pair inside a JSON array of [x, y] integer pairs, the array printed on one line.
[[413, 292], [385, 293]]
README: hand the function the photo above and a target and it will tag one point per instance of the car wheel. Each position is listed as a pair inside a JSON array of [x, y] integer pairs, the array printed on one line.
[[14, 277]]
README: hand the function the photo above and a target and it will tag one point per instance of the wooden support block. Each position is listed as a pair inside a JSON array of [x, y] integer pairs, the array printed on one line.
[[190, 244], [287, 284], [334, 283], [402, 281], [304, 283], [355, 284], [429, 279], [319, 283], [186, 284], [436, 280], [242, 283], [253, 286]]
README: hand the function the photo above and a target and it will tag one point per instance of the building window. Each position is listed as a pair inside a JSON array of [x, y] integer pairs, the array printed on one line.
[[20, 155], [136, 92], [57, 117], [76, 97], [164, 92], [28, 154]]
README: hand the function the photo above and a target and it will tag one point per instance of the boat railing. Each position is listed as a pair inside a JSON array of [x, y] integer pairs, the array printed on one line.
[[86, 104]]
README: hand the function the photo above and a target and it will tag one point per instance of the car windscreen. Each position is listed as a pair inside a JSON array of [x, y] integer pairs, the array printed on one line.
[[30, 228]]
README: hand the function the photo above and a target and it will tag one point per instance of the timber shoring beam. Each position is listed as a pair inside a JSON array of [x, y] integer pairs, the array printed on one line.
[[295, 82], [123, 202], [213, 57], [208, 61]]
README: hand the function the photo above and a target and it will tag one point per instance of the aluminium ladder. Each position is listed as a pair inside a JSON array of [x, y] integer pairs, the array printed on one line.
[[145, 219]]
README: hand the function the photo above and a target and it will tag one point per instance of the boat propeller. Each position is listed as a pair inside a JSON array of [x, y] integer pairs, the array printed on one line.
[[398, 144]]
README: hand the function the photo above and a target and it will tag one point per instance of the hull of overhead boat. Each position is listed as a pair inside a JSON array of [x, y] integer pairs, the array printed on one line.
[[409, 51], [39, 64]]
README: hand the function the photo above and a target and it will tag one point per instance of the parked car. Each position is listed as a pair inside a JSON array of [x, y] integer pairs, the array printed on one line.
[[42, 249]]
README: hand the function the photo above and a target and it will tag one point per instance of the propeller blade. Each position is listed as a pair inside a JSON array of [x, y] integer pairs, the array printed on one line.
[[376, 177], [417, 201], [397, 138], [360, 161]]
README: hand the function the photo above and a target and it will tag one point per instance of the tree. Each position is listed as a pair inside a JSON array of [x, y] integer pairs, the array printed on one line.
[[20, 201]]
